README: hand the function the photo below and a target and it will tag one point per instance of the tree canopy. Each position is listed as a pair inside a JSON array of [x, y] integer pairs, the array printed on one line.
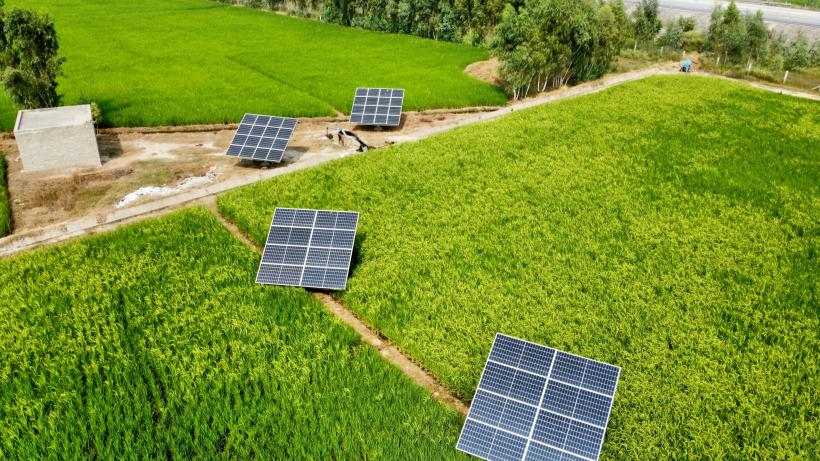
[[552, 42], [29, 57]]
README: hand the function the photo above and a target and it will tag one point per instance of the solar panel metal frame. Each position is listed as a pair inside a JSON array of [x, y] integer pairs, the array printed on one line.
[[377, 106], [524, 433], [321, 248], [262, 137]]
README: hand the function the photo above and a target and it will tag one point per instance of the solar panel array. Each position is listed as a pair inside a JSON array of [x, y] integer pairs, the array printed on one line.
[[309, 248], [262, 137], [539, 404], [377, 106]]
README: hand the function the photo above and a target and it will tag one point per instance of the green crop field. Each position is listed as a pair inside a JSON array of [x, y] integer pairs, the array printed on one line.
[[153, 342], [668, 226], [172, 62]]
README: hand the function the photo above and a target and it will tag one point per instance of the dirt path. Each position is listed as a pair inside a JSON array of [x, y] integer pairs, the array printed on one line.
[[392, 354], [387, 350], [50, 208]]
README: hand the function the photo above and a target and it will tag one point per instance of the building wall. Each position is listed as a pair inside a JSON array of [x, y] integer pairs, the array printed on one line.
[[53, 148]]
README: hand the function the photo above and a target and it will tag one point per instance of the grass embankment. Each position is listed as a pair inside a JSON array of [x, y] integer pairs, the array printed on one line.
[[668, 226], [154, 342], [196, 61], [5, 203]]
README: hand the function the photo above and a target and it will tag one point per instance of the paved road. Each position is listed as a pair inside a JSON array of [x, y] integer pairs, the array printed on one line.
[[772, 14]]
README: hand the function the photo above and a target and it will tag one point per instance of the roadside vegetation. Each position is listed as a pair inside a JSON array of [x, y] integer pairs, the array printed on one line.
[[667, 226], [5, 202], [738, 40], [154, 342], [742, 46], [241, 61]]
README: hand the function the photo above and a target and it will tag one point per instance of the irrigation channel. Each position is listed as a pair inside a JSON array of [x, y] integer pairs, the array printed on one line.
[[445, 120]]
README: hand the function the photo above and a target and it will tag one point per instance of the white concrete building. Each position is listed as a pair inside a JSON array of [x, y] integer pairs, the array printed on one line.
[[58, 137]]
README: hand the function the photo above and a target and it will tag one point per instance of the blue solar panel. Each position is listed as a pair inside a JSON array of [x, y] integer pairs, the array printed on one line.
[[377, 106], [262, 137], [535, 403], [309, 248]]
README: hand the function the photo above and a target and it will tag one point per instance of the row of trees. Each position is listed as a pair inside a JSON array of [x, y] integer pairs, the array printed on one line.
[[548, 43], [29, 58], [451, 20], [734, 38], [743, 39]]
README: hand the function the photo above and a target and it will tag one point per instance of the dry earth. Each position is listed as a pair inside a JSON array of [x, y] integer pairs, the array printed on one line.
[[486, 71]]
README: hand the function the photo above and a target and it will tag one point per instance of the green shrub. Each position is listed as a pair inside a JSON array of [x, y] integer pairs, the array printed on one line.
[[687, 23], [96, 114], [764, 74], [693, 40], [673, 36]]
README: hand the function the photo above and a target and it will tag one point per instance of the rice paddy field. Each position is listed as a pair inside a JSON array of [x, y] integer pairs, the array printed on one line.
[[153, 342], [668, 226], [176, 62]]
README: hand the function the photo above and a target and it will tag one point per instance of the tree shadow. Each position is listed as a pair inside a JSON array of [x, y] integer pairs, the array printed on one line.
[[109, 146], [292, 155], [383, 128], [356, 258]]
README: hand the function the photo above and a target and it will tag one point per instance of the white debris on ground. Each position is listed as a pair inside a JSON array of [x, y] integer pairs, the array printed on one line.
[[154, 191]]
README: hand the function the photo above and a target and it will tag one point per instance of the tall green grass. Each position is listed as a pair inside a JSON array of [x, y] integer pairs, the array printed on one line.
[[669, 226], [153, 342], [5, 203], [171, 62]]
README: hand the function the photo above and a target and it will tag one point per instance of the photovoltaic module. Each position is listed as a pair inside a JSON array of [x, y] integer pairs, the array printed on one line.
[[262, 137], [309, 248], [535, 403], [377, 106]]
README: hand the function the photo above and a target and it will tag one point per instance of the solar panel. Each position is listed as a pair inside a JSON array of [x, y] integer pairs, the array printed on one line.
[[309, 248], [534, 403], [262, 137], [377, 106]]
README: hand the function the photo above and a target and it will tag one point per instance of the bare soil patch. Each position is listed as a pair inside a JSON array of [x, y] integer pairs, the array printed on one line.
[[486, 71], [167, 157]]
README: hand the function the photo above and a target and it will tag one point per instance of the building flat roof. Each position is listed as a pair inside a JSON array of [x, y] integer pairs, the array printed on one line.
[[53, 117]]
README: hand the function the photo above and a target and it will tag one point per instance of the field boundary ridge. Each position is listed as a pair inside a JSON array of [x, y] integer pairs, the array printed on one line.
[[385, 348]]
